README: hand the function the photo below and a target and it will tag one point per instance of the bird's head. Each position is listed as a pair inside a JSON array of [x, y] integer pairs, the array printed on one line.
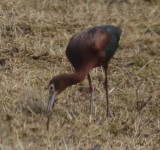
[[56, 86]]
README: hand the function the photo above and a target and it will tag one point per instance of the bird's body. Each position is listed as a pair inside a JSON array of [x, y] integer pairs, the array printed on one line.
[[93, 47], [98, 43]]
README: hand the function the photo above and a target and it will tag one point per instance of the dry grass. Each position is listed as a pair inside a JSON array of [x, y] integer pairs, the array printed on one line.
[[33, 38]]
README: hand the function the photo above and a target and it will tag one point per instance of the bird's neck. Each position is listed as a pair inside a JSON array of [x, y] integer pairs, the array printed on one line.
[[74, 78]]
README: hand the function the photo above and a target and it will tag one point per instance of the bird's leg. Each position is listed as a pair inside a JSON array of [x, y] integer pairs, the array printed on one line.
[[106, 89], [91, 91]]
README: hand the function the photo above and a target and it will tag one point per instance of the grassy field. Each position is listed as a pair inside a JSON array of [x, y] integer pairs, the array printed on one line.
[[33, 38]]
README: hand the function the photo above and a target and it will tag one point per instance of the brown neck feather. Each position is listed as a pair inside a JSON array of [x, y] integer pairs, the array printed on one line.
[[67, 80], [74, 78], [71, 79]]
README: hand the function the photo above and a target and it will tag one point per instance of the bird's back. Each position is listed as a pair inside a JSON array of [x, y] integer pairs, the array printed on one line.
[[114, 33], [100, 39]]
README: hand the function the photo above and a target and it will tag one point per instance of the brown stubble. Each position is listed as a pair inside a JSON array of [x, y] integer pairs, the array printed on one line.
[[33, 38]]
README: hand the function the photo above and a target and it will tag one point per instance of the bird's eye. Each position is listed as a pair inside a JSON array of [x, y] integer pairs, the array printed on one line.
[[51, 88]]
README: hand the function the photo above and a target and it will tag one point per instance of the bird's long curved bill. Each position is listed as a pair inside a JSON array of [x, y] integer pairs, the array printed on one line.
[[51, 101]]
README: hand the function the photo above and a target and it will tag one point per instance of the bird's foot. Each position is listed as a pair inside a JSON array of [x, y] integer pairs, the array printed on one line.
[[90, 118], [110, 114]]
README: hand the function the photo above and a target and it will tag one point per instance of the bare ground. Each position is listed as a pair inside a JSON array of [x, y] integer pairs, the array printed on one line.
[[33, 38]]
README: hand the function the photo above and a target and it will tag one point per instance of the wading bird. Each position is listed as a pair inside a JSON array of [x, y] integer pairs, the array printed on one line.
[[93, 47]]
